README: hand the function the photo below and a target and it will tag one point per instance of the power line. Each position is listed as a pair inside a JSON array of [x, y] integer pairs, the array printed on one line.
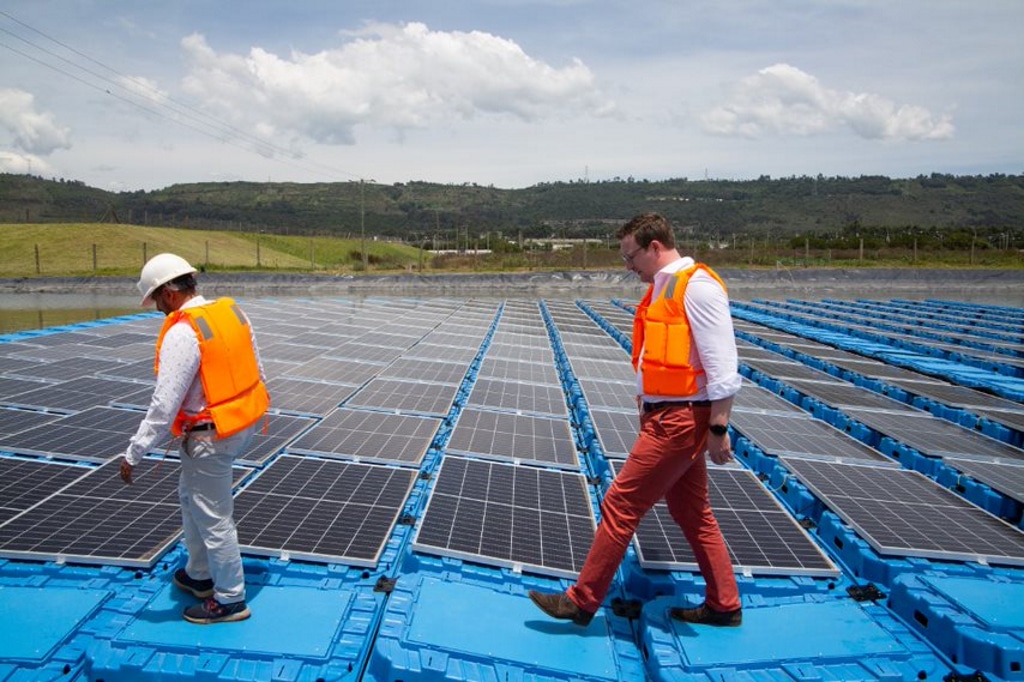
[[180, 113]]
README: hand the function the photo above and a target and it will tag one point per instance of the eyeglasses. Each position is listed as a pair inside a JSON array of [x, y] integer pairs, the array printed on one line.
[[627, 258]]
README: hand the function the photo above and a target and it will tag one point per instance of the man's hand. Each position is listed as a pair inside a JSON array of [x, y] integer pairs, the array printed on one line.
[[126, 471], [719, 448]]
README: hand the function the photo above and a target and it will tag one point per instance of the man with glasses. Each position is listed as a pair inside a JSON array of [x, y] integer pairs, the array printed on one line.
[[684, 354], [210, 391]]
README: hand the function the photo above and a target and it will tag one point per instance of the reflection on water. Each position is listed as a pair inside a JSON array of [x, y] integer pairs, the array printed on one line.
[[20, 312]]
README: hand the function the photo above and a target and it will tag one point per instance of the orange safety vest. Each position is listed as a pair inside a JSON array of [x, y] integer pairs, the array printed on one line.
[[235, 395], [661, 331]]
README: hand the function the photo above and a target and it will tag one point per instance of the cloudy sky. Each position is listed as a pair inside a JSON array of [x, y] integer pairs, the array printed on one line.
[[141, 94]]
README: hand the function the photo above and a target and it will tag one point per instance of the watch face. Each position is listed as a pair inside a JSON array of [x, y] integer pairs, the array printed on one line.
[[718, 429]]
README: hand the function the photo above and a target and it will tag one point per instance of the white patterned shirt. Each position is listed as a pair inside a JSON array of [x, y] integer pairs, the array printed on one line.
[[177, 385]]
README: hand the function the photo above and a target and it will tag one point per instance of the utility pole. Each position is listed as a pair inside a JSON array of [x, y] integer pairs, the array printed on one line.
[[362, 225]]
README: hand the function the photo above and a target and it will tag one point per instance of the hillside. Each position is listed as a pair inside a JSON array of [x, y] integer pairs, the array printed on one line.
[[450, 215]]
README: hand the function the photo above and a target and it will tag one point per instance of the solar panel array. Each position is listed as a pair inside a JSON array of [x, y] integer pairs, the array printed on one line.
[[904, 513], [369, 436], [99, 519], [801, 435], [514, 437], [324, 510], [761, 536], [513, 516]]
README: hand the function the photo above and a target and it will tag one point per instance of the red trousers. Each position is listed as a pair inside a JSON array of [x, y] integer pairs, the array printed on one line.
[[667, 461]]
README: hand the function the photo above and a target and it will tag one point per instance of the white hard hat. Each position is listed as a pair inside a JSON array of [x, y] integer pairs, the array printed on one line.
[[161, 269]]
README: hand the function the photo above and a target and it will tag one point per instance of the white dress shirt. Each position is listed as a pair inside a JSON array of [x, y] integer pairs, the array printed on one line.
[[714, 341]]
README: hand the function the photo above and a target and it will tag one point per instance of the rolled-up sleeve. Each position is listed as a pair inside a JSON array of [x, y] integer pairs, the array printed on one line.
[[707, 308]]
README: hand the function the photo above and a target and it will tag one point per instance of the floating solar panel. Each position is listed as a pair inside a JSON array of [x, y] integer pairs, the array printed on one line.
[[334, 371], [515, 371], [100, 520], [322, 510], [93, 435], [904, 513], [616, 395], [441, 338], [140, 371], [761, 536], [616, 431], [13, 365], [365, 352], [320, 339], [431, 351], [16, 421], [518, 397], [69, 368], [291, 352], [430, 371], [306, 397], [10, 387], [370, 436], [60, 339], [1006, 477], [933, 437], [72, 396], [528, 354], [405, 397], [1013, 419], [959, 396], [538, 340], [778, 434], [518, 517], [515, 437], [122, 339], [603, 370], [610, 352], [754, 398], [841, 395], [783, 369], [26, 482]]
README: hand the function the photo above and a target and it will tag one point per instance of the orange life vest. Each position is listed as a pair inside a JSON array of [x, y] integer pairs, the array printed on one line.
[[661, 331], [235, 395]]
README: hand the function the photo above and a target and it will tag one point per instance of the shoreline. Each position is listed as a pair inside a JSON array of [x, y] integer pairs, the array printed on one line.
[[446, 283]]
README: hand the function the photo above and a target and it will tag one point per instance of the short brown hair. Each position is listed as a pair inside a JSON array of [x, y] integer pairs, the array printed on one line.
[[648, 227]]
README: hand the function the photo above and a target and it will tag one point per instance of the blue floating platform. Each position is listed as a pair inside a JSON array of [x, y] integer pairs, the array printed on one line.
[[294, 633], [977, 622], [439, 630], [40, 632], [796, 640]]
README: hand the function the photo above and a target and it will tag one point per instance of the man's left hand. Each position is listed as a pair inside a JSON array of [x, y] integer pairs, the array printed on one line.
[[126, 471], [719, 448]]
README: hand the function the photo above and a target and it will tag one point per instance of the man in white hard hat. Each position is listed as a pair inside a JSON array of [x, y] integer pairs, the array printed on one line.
[[210, 391]]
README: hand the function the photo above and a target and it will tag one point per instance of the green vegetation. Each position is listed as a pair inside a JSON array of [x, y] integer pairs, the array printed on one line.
[[104, 249], [928, 221]]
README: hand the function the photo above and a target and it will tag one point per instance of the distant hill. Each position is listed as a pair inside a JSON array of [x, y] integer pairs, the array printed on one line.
[[990, 205]]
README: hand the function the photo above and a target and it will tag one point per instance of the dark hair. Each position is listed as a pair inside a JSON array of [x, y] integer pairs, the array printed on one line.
[[648, 227], [186, 283]]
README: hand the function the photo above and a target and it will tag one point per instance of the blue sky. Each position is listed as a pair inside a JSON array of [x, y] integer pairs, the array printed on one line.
[[127, 95]]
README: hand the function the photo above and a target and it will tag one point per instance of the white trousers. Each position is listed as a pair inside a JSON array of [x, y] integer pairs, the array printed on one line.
[[204, 489]]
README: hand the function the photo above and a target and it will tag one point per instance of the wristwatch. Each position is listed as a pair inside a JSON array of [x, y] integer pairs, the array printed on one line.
[[719, 429]]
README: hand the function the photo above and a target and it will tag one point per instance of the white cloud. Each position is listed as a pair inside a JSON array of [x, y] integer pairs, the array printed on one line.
[[394, 76], [783, 100], [31, 131]]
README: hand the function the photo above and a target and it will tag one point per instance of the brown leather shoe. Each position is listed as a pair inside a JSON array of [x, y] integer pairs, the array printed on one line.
[[705, 615], [561, 607]]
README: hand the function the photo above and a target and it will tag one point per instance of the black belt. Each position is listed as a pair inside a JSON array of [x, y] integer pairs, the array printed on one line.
[[205, 426], [665, 404]]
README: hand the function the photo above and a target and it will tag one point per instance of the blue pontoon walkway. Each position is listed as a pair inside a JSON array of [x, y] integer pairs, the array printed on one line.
[[428, 461]]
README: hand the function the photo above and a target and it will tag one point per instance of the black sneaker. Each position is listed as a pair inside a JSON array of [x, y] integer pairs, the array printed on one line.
[[212, 611], [200, 589], [705, 615]]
